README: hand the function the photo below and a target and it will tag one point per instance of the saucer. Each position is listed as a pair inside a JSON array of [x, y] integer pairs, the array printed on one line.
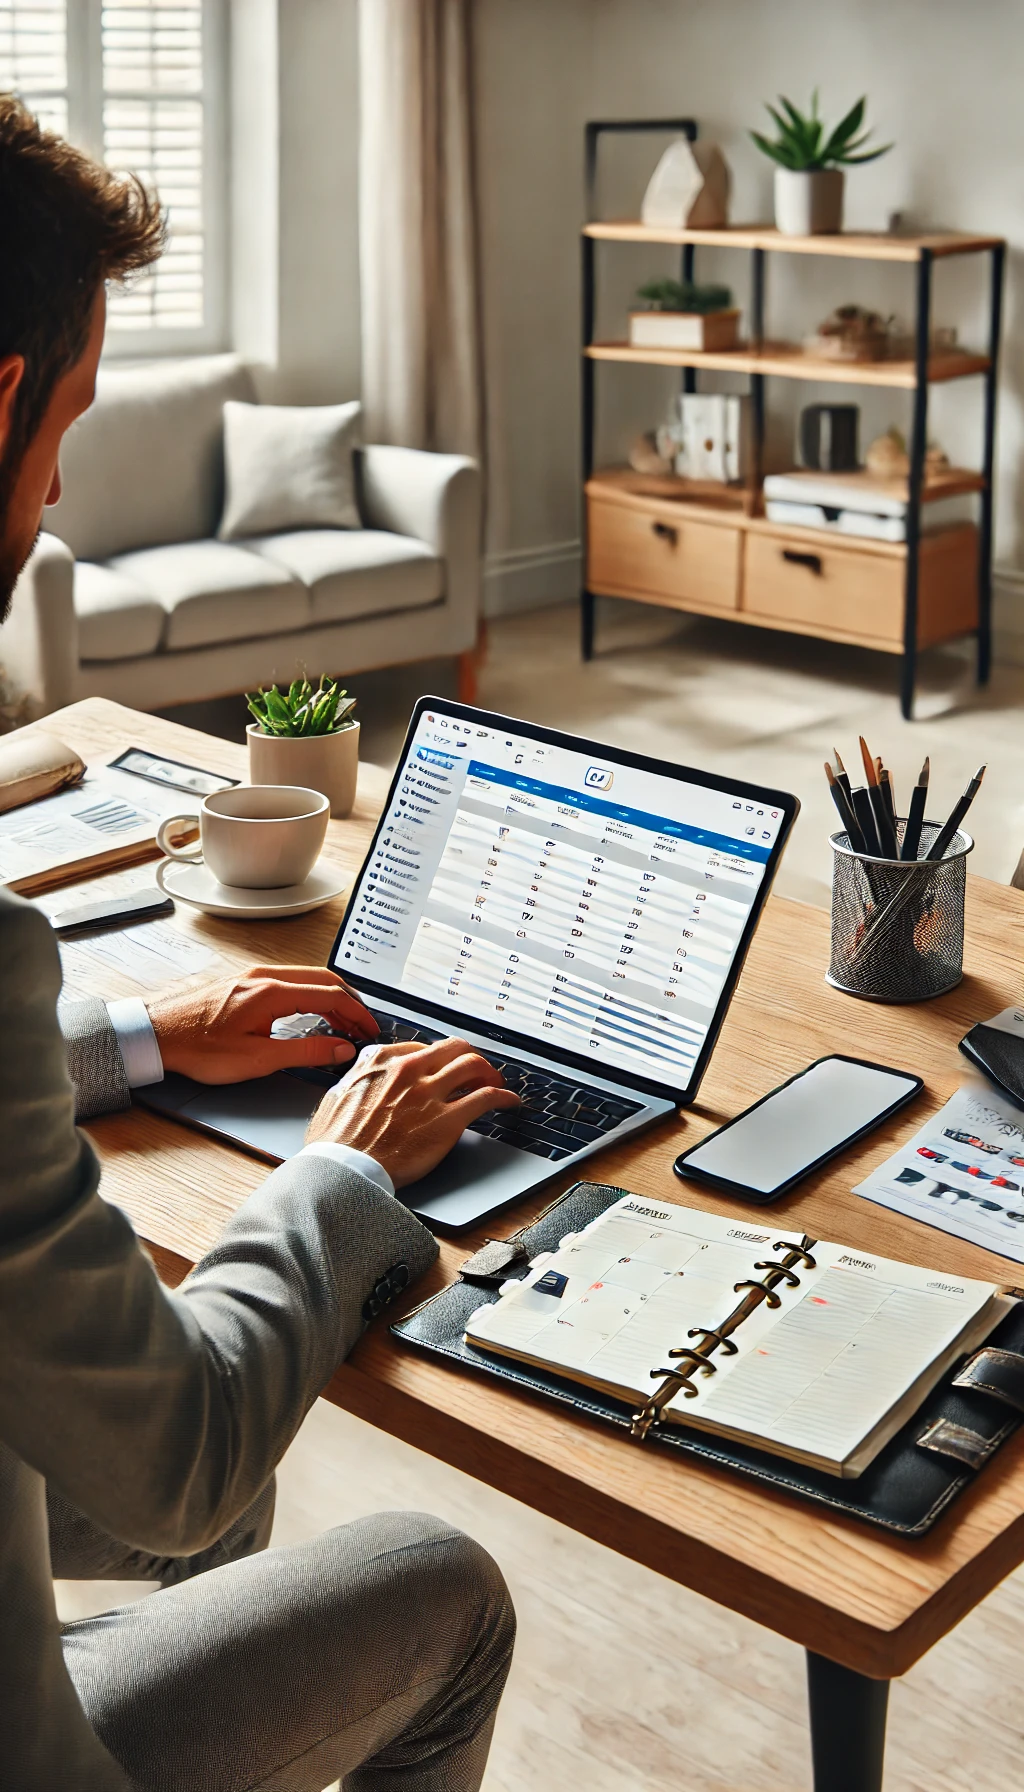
[[197, 885]]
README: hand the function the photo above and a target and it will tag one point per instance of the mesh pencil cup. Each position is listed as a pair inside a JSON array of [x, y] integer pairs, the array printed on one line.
[[898, 929]]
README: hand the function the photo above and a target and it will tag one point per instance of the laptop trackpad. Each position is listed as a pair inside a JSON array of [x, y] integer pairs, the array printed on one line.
[[477, 1176]]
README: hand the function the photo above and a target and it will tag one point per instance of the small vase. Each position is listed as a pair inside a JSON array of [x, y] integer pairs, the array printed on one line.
[[328, 763], [809, 202]]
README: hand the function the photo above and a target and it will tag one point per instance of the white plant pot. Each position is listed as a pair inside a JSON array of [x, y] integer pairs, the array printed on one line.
[[328, 763], [809, 202]]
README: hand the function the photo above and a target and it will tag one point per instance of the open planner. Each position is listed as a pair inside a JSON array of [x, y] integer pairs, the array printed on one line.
[[797, 1347]]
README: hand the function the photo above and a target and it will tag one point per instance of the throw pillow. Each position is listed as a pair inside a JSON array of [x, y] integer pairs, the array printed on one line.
[[288, 467]]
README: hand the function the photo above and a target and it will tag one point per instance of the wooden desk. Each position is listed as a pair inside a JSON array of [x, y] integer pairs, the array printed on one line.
[[851, 1595]]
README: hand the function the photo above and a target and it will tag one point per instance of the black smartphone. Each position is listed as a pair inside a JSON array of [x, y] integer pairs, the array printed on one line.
[[797, 1128]]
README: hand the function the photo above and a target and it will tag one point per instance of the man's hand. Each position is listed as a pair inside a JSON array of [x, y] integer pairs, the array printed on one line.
[[407, 1105], [220, 1032]]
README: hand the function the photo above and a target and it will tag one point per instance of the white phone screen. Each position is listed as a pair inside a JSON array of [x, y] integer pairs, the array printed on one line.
[[796, 1126]]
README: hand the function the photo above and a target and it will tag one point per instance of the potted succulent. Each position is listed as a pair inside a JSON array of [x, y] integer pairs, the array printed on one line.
[[682, 314], [809, 166], [306, 737]]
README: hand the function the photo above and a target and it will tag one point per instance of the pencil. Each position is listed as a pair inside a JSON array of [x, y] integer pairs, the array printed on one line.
[[889, 792], [960, 808], [861, 806], [842, 775], [851, 826], [915, 814], [888, 848]]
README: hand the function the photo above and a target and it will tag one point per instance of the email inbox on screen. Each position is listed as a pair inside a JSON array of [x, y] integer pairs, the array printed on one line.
[[510, 885]]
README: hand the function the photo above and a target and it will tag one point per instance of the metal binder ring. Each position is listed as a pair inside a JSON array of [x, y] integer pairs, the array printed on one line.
[[770, 1296], [777, 1269], [705, 1331], [783, 1244]]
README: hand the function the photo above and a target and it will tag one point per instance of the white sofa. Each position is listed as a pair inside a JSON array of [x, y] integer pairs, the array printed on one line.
[[129, 594]]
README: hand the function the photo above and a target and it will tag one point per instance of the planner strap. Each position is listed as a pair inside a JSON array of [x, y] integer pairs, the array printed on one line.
[[696, 1360]]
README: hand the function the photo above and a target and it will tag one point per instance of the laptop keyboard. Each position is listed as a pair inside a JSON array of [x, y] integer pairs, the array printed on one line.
[[557, 1116]]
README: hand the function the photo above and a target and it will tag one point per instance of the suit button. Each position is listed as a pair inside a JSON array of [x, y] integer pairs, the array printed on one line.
[[371, 1308], [383, 1291], [399, 1277]]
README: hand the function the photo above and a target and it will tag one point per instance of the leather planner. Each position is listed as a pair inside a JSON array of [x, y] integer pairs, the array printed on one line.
[[977, 1404]]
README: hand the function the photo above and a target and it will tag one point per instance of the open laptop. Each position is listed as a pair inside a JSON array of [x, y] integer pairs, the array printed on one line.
[[579, 913]]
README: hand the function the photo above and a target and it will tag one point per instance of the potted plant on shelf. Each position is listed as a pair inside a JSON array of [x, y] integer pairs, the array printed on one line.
[[681, 314], [306, 737], [809, 168]]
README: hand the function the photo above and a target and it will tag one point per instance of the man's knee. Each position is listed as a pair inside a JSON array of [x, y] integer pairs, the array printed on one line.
[[451, 1591]]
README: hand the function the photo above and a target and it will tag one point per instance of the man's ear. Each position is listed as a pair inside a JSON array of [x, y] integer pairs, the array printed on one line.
[[12, 369]]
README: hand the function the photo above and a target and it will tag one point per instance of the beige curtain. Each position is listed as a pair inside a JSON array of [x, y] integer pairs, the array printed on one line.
[[422, 363]]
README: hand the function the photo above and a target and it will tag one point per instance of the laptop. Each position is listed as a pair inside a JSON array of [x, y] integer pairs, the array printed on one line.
[[577, 912]]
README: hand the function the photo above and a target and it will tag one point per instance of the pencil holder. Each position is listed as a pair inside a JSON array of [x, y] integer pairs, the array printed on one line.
[[898, 929]]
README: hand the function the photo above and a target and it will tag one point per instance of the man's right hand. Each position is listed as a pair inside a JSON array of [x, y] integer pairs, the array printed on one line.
[[407, 1105]]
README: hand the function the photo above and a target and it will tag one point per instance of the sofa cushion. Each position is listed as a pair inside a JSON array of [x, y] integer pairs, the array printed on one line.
[[363, 572], [146, 464], [213, 591], [118, 619], [289, 466]]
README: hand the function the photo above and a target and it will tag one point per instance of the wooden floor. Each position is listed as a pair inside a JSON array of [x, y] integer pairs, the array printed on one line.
[[622, 1680]]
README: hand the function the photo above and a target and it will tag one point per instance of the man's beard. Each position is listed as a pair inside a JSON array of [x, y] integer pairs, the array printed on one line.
[[13, 554]]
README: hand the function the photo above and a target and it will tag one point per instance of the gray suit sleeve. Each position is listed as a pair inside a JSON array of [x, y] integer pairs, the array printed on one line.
[[94, 1058], [158, 1415]]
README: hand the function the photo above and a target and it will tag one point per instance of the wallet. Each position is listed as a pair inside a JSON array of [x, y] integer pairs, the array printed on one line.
[[1000, 1056], [967, 1417]]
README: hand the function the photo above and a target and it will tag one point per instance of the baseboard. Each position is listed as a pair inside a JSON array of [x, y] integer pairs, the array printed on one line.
[[531, 578]]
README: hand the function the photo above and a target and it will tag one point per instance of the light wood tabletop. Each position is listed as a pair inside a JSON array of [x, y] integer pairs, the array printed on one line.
[[841, 1588]]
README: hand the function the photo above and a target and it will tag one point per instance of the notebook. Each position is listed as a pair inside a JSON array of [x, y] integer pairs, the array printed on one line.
[[794, 1346]]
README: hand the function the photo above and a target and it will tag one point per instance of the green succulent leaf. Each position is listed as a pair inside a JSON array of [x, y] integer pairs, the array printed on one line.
[[802, 144], [300, 711]]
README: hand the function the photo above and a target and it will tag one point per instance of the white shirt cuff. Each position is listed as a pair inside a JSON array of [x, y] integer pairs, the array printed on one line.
[[352, 1160], [136, 1041]]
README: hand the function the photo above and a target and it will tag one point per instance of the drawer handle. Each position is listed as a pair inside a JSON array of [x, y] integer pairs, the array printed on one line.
[[666, 531], [811, 561]]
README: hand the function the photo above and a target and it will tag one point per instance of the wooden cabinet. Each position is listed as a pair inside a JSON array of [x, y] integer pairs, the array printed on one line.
[[722, 561], [652, 550]]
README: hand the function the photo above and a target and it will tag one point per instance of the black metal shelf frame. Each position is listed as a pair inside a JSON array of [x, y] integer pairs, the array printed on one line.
[[594, 130]]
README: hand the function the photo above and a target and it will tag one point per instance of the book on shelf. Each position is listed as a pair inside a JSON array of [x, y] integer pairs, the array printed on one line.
[[805, 1349]]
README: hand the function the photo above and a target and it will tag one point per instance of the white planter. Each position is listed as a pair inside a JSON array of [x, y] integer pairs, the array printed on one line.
[[328, 763], [809, 203]]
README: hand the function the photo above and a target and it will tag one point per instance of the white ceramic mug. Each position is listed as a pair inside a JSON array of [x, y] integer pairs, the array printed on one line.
[[254, 837]]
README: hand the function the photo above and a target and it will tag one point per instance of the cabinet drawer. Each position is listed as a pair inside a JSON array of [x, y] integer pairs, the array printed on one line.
[[653, 552], [824, 589]]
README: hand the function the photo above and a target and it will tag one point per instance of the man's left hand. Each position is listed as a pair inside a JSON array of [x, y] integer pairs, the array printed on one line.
[[220, 1032]]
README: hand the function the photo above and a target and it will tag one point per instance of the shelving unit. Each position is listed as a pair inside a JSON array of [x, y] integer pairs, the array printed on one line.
[[690, 546]]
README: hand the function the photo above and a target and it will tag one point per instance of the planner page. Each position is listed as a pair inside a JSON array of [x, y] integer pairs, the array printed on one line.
[[821, 1381], [614, 1299]]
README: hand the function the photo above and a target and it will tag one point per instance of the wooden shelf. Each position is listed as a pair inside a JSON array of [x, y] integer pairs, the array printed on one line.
[[787, 360], [854, 245], [708, 494]]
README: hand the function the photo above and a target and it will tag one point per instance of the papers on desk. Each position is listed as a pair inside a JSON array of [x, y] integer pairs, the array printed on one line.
[[964, 1171], [147, 954], [107, 819]]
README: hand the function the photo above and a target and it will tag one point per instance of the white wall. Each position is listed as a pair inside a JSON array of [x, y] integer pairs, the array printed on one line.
[[943, 80]]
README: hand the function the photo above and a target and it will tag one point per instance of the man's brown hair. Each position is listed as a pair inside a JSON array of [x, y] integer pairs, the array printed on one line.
[[67, 224]]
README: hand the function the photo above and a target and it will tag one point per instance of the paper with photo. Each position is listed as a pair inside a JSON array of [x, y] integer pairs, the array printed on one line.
[[964, 1170]]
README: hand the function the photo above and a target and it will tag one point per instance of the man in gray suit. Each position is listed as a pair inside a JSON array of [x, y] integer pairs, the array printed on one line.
[[139, 1429]]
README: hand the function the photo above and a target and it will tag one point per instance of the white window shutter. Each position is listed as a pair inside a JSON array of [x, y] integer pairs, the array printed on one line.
[[153, 125], [34, 57]]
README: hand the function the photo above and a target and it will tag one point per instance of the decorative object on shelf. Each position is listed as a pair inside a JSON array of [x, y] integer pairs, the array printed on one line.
[[854, 503], [645, 455], [887, 456], [689, 188], [828, 437], [715, 436], [850, 333], [681, 314], [306, 737], [809, 165]]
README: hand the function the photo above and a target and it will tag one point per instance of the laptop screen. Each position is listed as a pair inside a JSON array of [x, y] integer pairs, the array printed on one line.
[[532, 884]]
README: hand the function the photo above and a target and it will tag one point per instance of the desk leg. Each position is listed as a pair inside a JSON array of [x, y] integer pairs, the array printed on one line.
[[847, 1727]]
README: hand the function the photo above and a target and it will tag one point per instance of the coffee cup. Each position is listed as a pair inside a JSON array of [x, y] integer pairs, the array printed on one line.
[[253, 837]]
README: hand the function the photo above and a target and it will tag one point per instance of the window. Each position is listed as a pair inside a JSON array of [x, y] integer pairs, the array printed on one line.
[[140, 84]]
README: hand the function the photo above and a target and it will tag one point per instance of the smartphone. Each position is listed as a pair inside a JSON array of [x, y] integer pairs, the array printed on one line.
[[797, 1128]]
